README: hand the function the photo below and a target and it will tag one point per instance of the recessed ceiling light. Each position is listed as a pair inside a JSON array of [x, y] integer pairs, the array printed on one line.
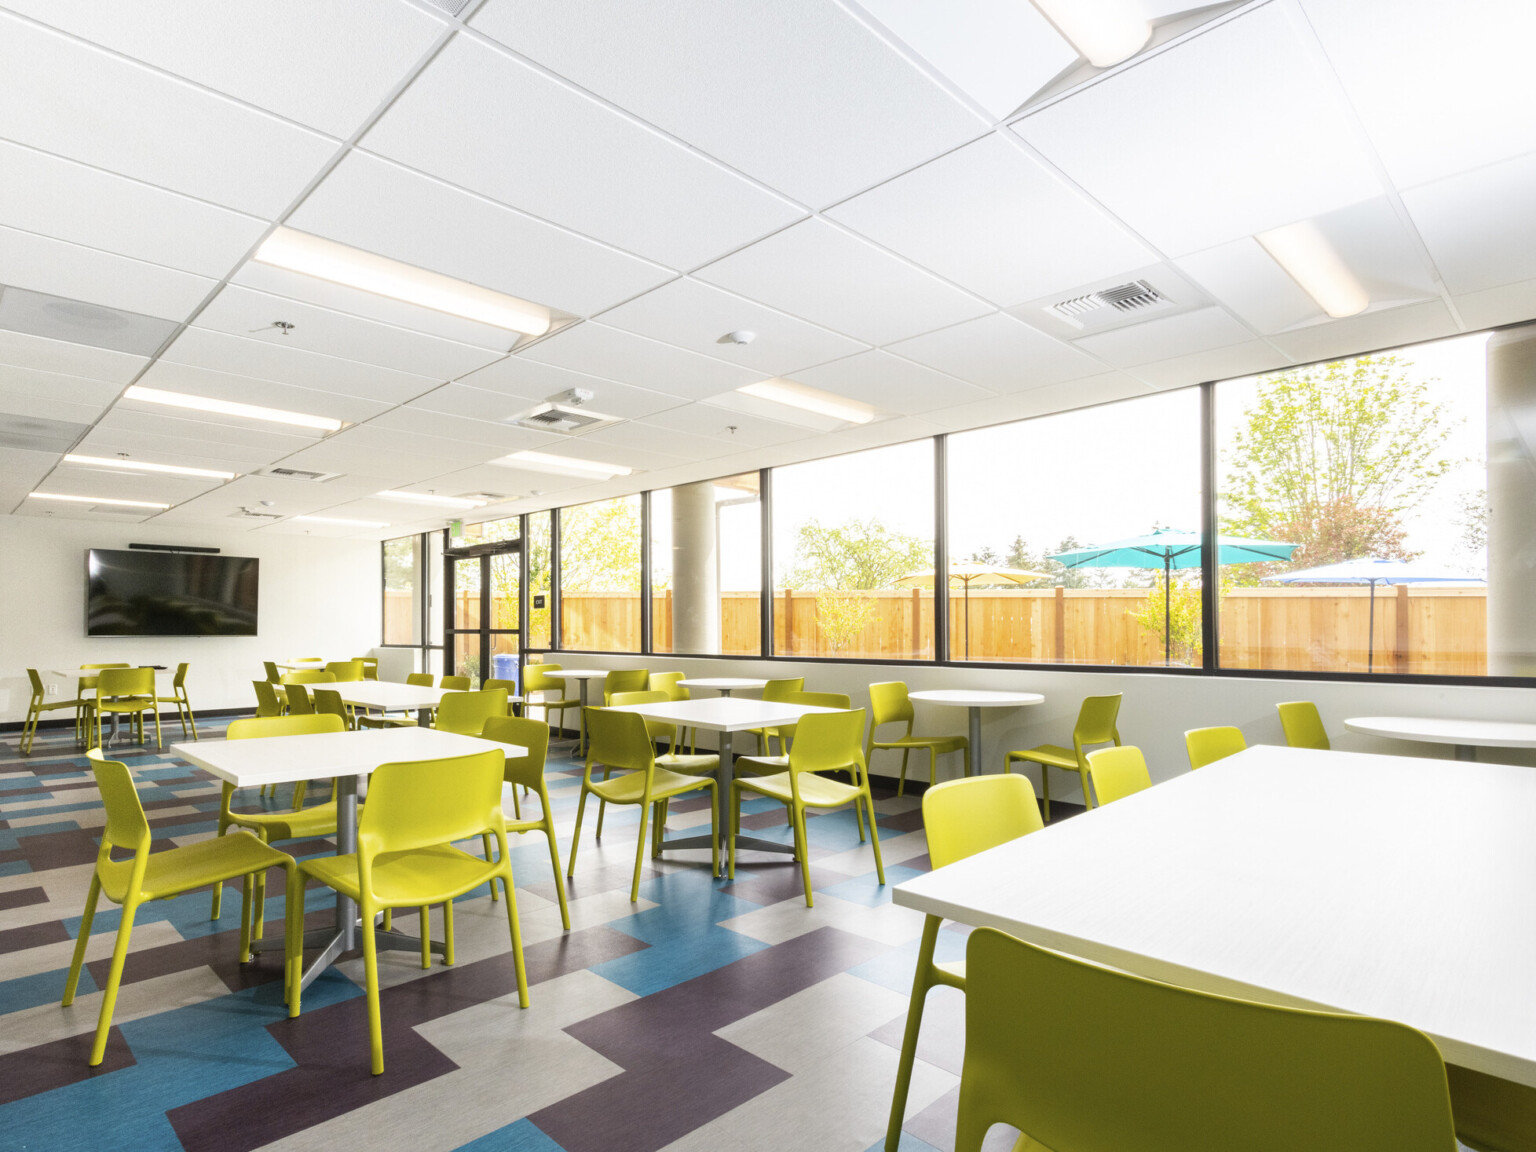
[[426, 498], [796, 395], [1104, 31], [141, 466], [339, 520], [343, 264], [563, 465], [230, 408], [95, 500], [1307, 257]]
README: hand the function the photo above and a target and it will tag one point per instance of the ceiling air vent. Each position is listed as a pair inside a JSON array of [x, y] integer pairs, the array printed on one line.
[[561, 418], [251, 514], [297, 474], [1137, 296], [452, 7]]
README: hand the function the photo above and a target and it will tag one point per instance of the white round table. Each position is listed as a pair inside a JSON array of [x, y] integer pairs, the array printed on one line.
[[1467, 735], [724, 685], [976, 700]]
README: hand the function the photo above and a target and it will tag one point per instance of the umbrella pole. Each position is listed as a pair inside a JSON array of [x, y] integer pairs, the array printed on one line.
[[1167, 601], [1370, 634]]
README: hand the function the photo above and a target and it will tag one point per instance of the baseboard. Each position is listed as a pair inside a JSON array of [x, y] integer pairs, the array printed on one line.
[[200, 713]]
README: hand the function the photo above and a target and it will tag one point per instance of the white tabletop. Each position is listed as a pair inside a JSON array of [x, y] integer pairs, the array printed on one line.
[[723, 713], [70, 673], [724, 683], [973, 698], [302, 665], [386, 693], [1233, 879], [1432, 730], [283, 759], [578, 673]]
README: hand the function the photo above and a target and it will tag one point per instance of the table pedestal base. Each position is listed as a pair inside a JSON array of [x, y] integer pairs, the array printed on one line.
[[332, 943], [723, 776]]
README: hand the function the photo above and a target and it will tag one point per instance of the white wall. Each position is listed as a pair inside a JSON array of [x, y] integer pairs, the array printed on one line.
[[1155, 714], [318, 597]]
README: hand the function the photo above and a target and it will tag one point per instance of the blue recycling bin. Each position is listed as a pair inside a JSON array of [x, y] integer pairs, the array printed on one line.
[[504, 667]]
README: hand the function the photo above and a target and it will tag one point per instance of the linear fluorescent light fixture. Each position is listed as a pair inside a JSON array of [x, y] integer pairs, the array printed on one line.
[[354, 268], [424, 498], [142, 466], [339, 520], [1307, 257], [95, 500], [230, 408], [796, 395], [563, 465], [1105, 32]]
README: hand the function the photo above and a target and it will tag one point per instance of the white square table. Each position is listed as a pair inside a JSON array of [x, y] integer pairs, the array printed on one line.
[[1334, 880], [975, 700], [347, 756], [726, 715], [302, 665], [724, 685], [388, 695]]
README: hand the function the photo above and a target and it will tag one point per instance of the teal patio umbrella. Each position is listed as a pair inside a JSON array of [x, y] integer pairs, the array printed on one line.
[[1169, 548]]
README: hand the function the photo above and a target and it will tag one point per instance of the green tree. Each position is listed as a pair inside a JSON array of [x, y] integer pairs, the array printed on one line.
[[1019, 555], [857, 554], [600, 546]]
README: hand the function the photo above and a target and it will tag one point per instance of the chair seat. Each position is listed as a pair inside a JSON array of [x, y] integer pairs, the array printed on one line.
[[177, 870], [937, 743], [386, 722], [318, 820], [761, 765], [125, 704], [406, 879], [1053, 754], [167, 699], [41, 707], [630, 787], [815, 791], [695, 763], [954, 969]]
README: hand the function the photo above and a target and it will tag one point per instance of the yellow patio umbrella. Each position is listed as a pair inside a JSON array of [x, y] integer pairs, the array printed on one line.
[[963, 574]]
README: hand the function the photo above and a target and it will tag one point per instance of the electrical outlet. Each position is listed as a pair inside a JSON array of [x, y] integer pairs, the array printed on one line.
[[51, 688]]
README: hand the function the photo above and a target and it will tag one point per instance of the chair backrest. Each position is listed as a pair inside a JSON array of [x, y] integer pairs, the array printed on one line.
[[779, 690], [668, 682], [299, 703], [266, 699], [888, 704], [619, 740], [1110, 1060], [964, 817], [658, 729], [624, 680], [528, 769], [1303, 726], [345, 670], [253, 728], [126, 682], [91, 681], [100, 666], [37, 684], [455, 683], [420, 803], [370, 667], [467, 712], [1096, 721], [305, 660], [506, 686], [1207, 745], [181, 676], [826, 742], [420, 679], [1118, 772], [328, 702], [536, 678], [837, 700], [273, 675], [127, 826], [318, 676]]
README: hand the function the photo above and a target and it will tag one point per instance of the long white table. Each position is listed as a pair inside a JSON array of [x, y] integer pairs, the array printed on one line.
[[347, 756], [725, 715], [1235, 879], [1467, 735], [389, 696]]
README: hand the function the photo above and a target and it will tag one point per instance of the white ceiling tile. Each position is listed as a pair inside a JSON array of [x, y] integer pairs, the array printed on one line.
[[598, 350], [996, 221], [124, 484], [56, 197], [172, 377], [1000, 353], [1368, 332], [758, 406], [1231, 132], [20, 350], [385, 447], [325, 65], [13, 403], [207, 430], [59, 268], [744, 431], [1163, 339], [896, 431], [1478, 226], [414, 420], [1247, 280], [823, 274], [71, 389], [798, 94], [265, 360], [891, 383], [1507, 304], [180, 450], [531, 382], [1211, 364], [493, 478], [78, 101], [381, 207], [288, 497], [1108, 386], [25, 464], [694, 316], [645, 458], [100, 513], [392, 467], [246, 312], [654, 438], [472, 403], [1440, 87], [574, 161]]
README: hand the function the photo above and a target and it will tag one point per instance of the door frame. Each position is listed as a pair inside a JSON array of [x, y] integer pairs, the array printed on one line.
[[451, 633]]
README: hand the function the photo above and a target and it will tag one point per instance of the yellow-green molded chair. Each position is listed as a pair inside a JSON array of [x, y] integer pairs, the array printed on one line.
[[624, 680], [1492, 1114], [467, 712], [298, 698], [619, 741], [370, 667], [670, 683], [527, 772], [127, 691], [960, 819], [1117, 772], [824, 742], [150, 875], [888, 704], [777, 692], [1084, 1057], [406, 858], [456, 683], [1208, 745], [179, 698], [86, 691], [37, 705], [299, 824], [691, 763], [507, 686], [345, 671], [766, 764], [1095, 725], [328, 702], [536, 678], [267, 703], [385, 720], [273, 675], [421, 679], [1303, 726]]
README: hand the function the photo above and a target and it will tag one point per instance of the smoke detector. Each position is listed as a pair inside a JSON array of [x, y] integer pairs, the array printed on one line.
[[741, 336]]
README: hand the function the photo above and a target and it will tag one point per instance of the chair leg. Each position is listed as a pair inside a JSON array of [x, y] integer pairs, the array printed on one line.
[[858, 815], [970, 765], [424, 929], [517, 934], [901, 785], [874, 837], [258, 926], [714, 830], [581, 807], [218, 887], [247, 891], [448, 931], [485, 841], [114, 978], [293, 936], [554, 861], [933, 766], [26, 735], [802, 842], [81, 938], [921, 982], [191, 719], [371, 972], [181, 716], [1045, 788], [634, 884], [159, 740], [734, 829], [1082, 774]]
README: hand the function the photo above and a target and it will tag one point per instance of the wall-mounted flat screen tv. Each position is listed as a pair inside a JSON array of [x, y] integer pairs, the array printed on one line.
[[169, 594]]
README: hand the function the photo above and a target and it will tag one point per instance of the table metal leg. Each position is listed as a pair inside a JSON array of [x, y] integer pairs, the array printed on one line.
[[424, 717], [978, 762], [1466, 752], [581, 722], [346, 844]]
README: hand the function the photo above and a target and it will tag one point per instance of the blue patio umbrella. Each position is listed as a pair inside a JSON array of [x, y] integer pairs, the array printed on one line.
[[1169, 548], [1374, 571]]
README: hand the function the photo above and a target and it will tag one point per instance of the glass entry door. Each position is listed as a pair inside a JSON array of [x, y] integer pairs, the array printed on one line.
[[484, 600]]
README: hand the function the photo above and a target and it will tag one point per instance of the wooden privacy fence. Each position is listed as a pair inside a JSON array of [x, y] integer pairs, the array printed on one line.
[[1426, 631]]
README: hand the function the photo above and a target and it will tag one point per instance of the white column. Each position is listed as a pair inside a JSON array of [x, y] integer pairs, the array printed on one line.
[[695, 570], [1512, 502]]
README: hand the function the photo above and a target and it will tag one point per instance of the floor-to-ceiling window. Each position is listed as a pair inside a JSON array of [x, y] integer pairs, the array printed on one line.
[[706, 567], [600, 576]]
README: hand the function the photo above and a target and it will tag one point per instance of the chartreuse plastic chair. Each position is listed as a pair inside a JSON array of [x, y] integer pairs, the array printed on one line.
[[527, 772], [456, 683], [85, 689], [150, 875], [670, 683], [299, 824], [345, 671], [179, 698], [692, 763], [776, 692], [1208, 745], [768, 765], [619, 742], [127, 691], [824, 742], [299, 702], [960, 819], [507, 686], [467, 712], [1095, 725], [273, 675], [385, 720], [1303, 726], [267, 703], [1492, 1114], [1084, 1057], [370, 667], [406, 858], [420, 679], [536, 678], [1117, 772], [624, 680], [39, 704], [888, 704], [328, 702]]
